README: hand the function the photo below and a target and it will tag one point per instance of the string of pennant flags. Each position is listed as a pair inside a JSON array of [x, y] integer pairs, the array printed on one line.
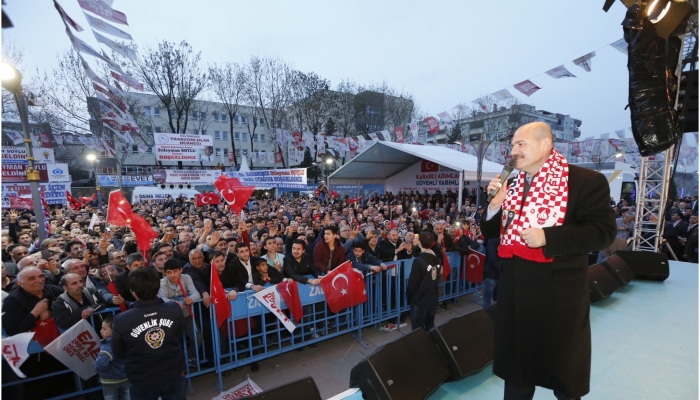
[[116, 118], [114, 112]]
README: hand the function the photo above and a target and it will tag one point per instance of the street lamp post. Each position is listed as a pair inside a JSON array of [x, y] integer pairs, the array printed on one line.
[[94, 159], [12, 81], [329, 162]]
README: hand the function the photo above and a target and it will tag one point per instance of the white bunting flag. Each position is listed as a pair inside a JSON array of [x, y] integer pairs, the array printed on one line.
[[447, 119], [90, 73], [413, 128], [94, 220], [481, 102], [102, 26], [585, 61], [117, 47], [87, 142], [620, 45], [270, 157], [620, 133], [14, 349], [127, 79], [374, 137], [77, 348], [385, 136], [15, 136], [246, 388], [502, 95], [271, 299], [66, 18], [59, 141], [560, 72], [107, 148]]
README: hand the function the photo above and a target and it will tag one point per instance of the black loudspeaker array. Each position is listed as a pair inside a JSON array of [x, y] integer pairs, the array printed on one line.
[[304, 388]]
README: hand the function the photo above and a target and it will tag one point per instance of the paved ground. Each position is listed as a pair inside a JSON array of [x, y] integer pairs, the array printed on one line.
[[329, 364]]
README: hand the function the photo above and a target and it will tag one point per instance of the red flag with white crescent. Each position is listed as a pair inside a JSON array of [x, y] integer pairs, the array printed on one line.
[[290, 296], [235, 194], [119, 212], [219, 299], [344, 288], [474, 267], [204, 199]]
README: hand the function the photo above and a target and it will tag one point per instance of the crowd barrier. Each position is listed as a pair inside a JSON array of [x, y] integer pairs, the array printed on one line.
[[253, 333]]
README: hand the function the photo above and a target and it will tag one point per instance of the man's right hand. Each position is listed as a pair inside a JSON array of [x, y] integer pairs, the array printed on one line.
[[500, 196], [314, 282], [40, 307], [232, 295]]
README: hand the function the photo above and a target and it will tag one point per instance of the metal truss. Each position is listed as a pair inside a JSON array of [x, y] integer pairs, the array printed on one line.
[[654, 175]]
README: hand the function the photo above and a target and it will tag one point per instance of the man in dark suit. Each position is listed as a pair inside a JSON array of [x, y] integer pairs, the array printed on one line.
[[692, 229], [673, 232], [552, 215]]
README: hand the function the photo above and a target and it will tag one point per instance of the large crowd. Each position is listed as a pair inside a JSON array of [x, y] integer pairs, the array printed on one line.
[[68, 276]]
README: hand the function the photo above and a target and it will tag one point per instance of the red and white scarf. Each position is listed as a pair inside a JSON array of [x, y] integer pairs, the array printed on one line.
[[545, 206]]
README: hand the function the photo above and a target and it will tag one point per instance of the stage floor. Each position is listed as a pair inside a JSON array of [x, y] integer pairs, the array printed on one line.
[[645, 345]]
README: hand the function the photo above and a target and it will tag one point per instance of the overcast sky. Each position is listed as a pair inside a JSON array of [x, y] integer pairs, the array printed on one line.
[[444, 52]]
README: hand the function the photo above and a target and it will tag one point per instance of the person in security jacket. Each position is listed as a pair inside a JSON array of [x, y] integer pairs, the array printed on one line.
[[149, 337], [424, 284]]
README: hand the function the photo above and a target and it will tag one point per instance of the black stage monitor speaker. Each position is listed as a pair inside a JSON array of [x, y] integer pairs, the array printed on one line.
[[408, 368], [466, 343], [304, 388], [619, 269], [601, 283], [646, 265]]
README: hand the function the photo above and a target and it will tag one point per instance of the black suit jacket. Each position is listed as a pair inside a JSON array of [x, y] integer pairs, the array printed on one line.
[[239, 272]]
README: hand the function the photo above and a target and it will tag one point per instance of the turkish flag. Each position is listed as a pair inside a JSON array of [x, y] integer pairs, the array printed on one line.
[[119, 212], [290, 296], [74, 203], [334, 194], [474, 267], [88, 199], [21, 203], [142, 230], [113, 289], [219, 299], [235, 194], [207, 198], [45, 331], [429, 166], [344, 288]]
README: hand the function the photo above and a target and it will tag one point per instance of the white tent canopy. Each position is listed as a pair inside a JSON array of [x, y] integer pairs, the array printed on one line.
[[383, 160]]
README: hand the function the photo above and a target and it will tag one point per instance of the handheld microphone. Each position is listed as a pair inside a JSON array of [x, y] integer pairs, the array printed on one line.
[[507, 169]]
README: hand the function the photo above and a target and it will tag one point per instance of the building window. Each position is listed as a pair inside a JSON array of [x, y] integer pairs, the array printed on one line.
[[240, 137], [217, 135], [236, 119], [259, 137], [149, 150], [224, 135], [242, 119], [156, 111], [147, 110], [203, 116], [223, 117], [195, 131], [217, 152], [195, 115], [158, 129], [134, 148], [216, 117], [204, 132], [225, 153]]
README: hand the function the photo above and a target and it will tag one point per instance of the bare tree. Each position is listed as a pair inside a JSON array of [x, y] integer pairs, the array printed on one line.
[[251, 117], [343, 109], [269, 82], [229, 84], [312, 101], [173, 73]]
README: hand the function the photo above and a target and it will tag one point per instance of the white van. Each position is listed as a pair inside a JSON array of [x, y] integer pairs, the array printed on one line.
[[622, 179], [158, 195]]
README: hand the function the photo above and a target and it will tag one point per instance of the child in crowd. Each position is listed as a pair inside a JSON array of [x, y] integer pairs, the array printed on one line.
[[179, 287], [264, 274], [115, 385]]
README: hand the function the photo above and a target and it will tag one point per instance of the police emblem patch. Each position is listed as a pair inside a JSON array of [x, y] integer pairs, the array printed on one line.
[[154, 337]]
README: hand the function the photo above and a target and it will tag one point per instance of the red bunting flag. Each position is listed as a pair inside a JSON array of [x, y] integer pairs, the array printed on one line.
[[119, 212], [290, 295], [204, 199], [474, 267], [66, 18], [103, 10], [219, 299], [398, 131], [86, 200], [235, 194], [526, 87], [433, 125], [344, 288]]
